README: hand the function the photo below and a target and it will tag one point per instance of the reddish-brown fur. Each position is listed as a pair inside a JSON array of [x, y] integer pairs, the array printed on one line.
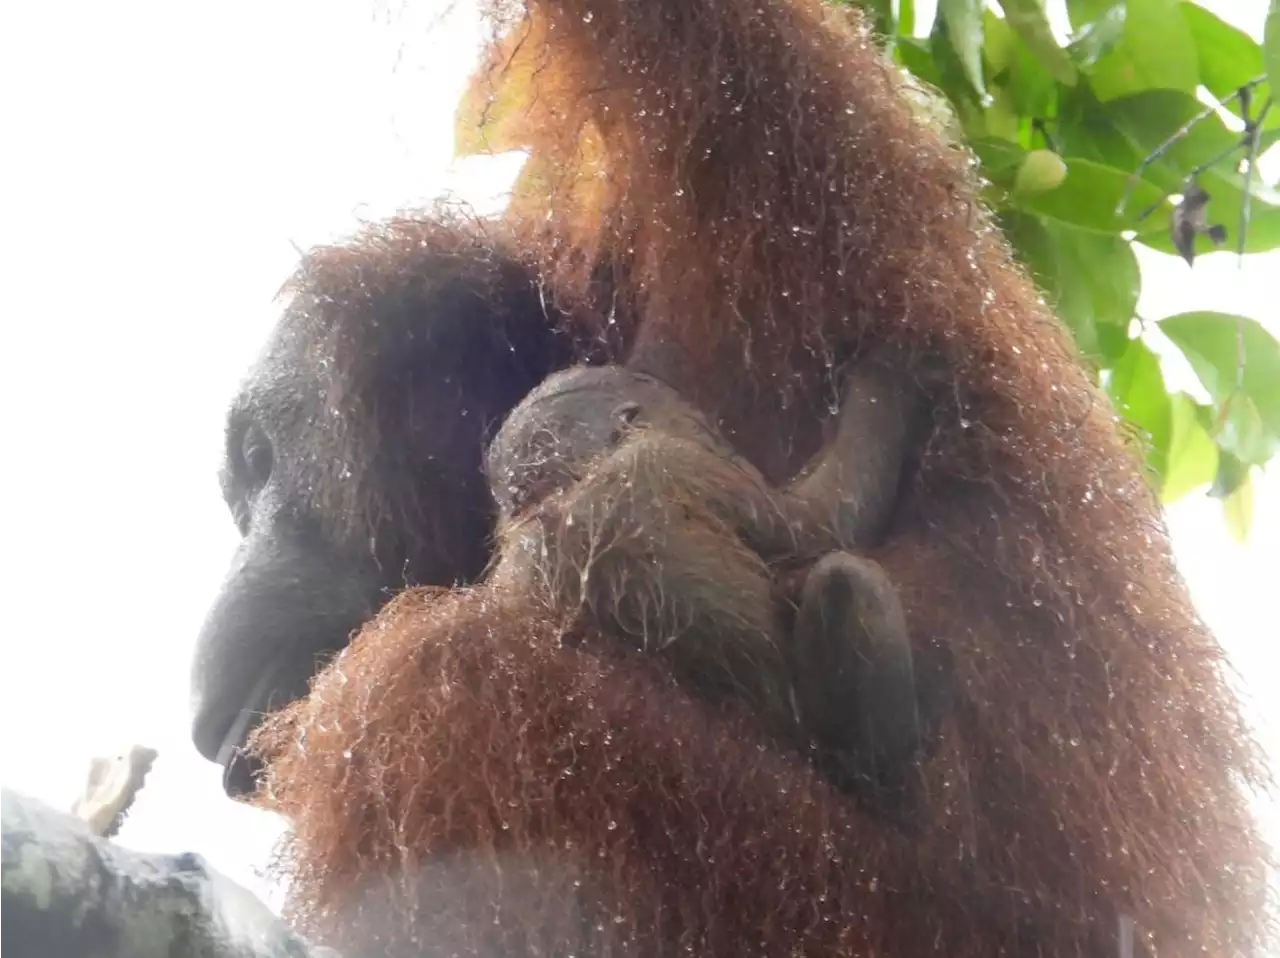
[[772, 206]]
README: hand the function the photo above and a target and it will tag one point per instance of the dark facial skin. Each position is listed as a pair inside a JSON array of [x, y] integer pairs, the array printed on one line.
[[353, 468]]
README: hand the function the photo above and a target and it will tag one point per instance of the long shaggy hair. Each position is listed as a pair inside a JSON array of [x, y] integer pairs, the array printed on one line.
[[744, 179]]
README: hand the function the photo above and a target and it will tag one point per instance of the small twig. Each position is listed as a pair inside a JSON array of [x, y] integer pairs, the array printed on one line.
[[1253, 134], [1041, 126], [1177, 135]]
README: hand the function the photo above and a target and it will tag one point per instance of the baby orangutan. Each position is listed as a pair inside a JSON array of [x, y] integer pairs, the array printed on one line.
[[619, 500]]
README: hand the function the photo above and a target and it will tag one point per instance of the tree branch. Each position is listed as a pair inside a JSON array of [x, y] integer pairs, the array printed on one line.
[[69, 893]]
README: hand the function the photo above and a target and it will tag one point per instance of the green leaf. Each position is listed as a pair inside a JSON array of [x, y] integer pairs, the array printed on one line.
[[1244, 434], [916, 56], [1193, 455], [1237, 509], [1138, 392], [1147, 121], [1271, 44], [932, 106], [998, 42], [1112, 343], [1263, 234], [1090, 279], [1150, 119], [1098, 37], [999, 118], [1089, 195], [1016, 69], [1029, 21], [962, 22], [1100, 273], [1000, 158], [881, 14], [906, 18], [1155, 51], [1229, 57], [1037, 249], [1082, 13], [1231, 474], [1209, 341], [1085, 130]]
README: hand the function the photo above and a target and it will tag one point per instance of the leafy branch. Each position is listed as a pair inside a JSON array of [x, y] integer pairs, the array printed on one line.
[[1082, 136]]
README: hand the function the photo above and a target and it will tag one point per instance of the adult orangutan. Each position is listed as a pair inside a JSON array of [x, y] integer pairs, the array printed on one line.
[[462, 780]]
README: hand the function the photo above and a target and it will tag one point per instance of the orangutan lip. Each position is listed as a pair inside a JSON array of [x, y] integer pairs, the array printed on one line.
[[237, 733], [231, 754], [240, 775], [239, 768]]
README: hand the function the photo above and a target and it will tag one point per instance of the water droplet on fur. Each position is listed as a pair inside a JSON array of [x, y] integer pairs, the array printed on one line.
[[613, 826], [588, 17]]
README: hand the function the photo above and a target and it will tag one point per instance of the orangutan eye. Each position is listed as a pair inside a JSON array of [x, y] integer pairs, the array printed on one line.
[[626, 413], [255, 453]]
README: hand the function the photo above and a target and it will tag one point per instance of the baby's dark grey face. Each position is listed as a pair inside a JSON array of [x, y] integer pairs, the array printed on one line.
[[570, 420]]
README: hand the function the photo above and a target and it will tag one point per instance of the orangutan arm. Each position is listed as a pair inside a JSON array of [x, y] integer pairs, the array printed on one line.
[[850, 489]]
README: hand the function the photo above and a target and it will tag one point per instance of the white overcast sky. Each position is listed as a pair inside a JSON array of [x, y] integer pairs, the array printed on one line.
[[160, 163]]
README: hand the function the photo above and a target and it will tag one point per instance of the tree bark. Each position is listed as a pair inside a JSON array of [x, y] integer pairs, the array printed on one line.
[[70, 894]]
